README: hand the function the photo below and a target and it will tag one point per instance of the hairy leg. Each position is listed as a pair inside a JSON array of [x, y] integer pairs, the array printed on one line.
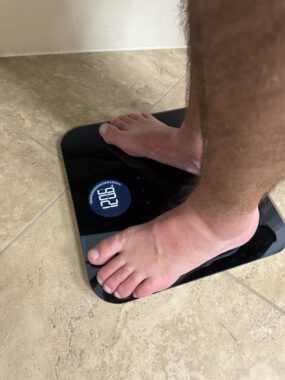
[[240, 49], [238, 59]]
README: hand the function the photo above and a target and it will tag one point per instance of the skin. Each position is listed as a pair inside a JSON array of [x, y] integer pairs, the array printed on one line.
[[233, 136]]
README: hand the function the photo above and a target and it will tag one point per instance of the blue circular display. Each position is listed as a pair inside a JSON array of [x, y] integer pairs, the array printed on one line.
[[110, 198]]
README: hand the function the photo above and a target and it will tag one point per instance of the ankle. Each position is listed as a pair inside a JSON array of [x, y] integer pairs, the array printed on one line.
[[224, 224], [190, 139], [222, 201]]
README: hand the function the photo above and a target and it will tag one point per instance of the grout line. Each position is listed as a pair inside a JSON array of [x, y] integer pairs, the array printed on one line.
[[30, 137], [32, 221], [40, 144], [167, 92], [256, 293]]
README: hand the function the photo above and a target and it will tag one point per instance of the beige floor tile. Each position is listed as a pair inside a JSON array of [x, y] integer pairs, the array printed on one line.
[[30, 178], [267, 276], [278, 197], [176, 98], [51, 94], [53, 327]]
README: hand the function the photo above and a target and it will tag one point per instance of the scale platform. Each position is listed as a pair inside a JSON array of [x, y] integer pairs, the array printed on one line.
[[112, 191]]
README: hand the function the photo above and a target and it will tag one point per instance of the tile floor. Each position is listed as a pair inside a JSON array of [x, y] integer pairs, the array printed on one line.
[[230, 326]]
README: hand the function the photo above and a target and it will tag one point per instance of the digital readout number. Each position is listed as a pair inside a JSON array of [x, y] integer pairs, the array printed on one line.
[[110, 198]]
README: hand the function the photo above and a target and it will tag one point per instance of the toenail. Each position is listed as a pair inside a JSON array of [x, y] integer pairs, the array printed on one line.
[[104, 128], [94, 253], [117, 295], [99, 281], [107, 289]]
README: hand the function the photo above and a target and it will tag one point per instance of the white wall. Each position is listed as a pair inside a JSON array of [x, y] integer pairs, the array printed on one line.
[[50, 26]]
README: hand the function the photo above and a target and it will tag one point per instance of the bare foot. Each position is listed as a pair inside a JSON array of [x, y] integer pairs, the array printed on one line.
[[148, 258], [142, 135]]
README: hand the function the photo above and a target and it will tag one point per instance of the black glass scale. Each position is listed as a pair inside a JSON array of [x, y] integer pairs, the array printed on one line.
[[112, 191]]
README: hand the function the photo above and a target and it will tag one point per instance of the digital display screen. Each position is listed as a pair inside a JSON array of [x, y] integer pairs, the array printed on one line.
[[110, 198]]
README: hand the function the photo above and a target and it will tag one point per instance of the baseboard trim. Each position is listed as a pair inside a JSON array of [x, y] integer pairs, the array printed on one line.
[[62, 51]]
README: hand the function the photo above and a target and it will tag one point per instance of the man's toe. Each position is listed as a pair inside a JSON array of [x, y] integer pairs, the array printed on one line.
[[113, 280], [106, 249], [111, 134], [126, 288]]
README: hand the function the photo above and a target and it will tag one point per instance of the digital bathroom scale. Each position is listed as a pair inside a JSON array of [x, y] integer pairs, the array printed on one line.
[[112, 191]]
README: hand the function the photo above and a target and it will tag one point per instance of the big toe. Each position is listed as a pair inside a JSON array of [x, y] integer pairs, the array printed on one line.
[[106, 249], [111, 134]]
